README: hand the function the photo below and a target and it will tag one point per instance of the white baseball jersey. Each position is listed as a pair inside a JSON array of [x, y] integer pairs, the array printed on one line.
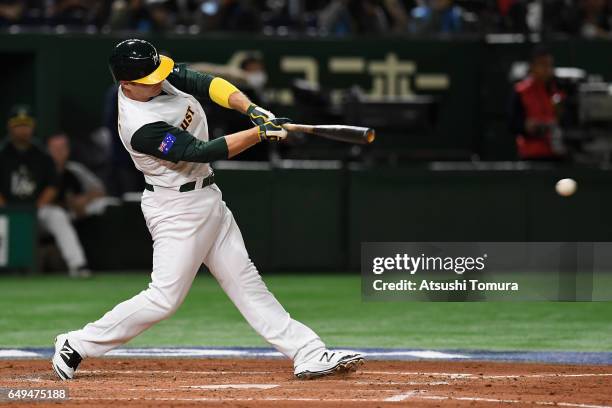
[[176, 108]]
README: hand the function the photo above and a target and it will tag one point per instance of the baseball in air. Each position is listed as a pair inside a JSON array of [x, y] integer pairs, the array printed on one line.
[[566, 187]]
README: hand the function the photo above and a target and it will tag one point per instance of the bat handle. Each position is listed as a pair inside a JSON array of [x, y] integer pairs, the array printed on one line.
[[293, 127]]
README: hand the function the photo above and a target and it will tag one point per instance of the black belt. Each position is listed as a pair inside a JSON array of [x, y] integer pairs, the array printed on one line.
[[187, 186]]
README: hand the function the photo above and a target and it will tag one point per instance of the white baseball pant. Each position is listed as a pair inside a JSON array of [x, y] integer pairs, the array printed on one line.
[[189, 229], [56, 221]]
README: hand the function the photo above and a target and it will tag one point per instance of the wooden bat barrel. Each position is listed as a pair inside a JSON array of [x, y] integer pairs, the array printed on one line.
[[342, 133]]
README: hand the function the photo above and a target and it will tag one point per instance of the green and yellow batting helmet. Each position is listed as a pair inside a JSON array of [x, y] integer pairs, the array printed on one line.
[[138, 61]]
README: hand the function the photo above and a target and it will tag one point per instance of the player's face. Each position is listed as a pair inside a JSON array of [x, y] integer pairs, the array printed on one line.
[[141, 92], [21, 134], [59, 149], [543, 68]]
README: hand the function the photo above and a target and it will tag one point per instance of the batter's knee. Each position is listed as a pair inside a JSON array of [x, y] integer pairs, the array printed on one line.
[[249, 282], [165, 301]]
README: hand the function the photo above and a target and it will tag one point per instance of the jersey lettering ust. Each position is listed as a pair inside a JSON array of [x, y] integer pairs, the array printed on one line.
[[188, 118]]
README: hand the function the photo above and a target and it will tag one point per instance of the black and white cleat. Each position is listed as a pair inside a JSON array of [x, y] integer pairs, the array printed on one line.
[[65, 359], [329, 363]]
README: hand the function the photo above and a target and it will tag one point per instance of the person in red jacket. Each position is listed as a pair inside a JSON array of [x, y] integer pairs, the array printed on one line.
[[535, 111]]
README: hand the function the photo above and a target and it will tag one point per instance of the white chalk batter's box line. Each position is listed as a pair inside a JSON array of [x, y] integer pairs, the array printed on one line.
[[229, 353]]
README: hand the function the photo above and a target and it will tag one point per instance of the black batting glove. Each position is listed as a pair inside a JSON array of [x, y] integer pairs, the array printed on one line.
[[272, 130], [259, 115]]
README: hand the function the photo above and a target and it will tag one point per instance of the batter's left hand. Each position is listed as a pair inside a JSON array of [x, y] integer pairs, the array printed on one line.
[[259, 115], [272, 130]]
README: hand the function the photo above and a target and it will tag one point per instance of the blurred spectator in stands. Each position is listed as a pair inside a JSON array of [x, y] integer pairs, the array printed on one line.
[[440, 17], [535, 110], [28, 177], [335, 18], [586, 18], [35, 13], [11, 12], [161, 14], [398, 15], [186, 11], [343, 17], [511, 15], [142, 15], [80, 191], [369, 17], [230, 15], [72, 12], [255, 75], [283, 16]]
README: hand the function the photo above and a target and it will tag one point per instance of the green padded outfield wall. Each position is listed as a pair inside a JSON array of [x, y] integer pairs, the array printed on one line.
[[307, 220], [422, 206], [312, 220], [289, 218]]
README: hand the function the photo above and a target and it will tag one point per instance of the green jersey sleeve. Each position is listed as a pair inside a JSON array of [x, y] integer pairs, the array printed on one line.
[[191, 82], [166, 142]]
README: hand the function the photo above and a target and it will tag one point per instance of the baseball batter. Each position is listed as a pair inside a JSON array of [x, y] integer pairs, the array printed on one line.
[[164, 128]]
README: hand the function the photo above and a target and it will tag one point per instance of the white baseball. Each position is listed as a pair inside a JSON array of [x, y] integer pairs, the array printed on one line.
[[566, 187]]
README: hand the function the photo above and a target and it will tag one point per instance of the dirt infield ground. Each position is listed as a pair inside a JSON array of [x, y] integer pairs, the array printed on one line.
[[257, 383]]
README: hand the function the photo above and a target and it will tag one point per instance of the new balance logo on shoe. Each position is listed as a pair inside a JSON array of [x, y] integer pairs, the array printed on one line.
[[65, 359], [327, 357], [66, 352], [70, 356]]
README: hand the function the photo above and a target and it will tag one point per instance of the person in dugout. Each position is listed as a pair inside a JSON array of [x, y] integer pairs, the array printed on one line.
[[535, 111], [28, 178]]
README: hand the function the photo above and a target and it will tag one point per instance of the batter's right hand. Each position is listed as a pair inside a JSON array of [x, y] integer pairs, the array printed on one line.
[[259, 115], [272, 130]]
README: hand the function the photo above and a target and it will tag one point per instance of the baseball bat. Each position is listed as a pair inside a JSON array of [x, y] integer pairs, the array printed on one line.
[[342, 133]]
